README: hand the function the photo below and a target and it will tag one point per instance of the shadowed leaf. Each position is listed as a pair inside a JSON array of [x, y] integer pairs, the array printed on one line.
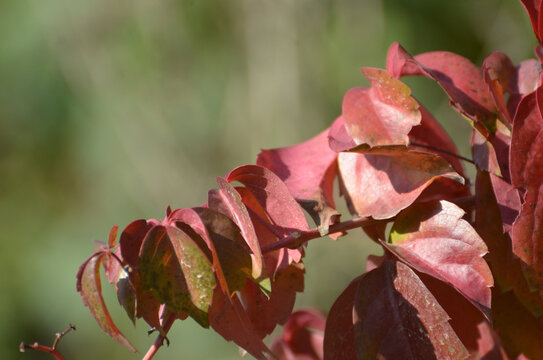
[[396, 317], [90, 288], [174, 268]]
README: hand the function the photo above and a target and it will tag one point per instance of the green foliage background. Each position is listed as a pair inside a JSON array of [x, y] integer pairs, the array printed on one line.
[[112, 110]]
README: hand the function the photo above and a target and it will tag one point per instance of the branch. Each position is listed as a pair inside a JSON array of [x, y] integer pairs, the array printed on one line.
[[297, 238], [160, 338], [48, 349]]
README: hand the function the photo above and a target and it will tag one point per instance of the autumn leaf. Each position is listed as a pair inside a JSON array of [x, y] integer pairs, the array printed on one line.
[[178, 273], [433, 238], [396, 178], [308, 170], [302, 337], [396, 317], [381, 115], [90, 287]]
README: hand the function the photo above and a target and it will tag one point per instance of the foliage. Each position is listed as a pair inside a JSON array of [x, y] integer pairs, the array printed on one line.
[[235, 263]]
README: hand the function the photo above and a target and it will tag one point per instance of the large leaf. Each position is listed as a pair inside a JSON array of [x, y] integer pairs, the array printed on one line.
[[227, 201], [460, 79], [302, 337], [527, 174], [176, 270], [381, 115], [396, 179], [90, 288], [339, 332], [308, 170], [433, 238], [396, 317]]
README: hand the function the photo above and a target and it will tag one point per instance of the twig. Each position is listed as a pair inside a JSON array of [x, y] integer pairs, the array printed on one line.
[[48, 349], [160, 338], [297, 238]]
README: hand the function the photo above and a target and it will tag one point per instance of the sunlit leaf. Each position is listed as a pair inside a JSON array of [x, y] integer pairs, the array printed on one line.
[[90, 288], [433, 238], [382, 114], [395, 179], [308, 170]]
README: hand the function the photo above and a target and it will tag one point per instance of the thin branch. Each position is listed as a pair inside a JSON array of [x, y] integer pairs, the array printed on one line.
[[443, 152], [160, 338], [48, 349], [297, 238]]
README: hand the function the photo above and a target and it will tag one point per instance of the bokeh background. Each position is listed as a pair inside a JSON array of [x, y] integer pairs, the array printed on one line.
[[112, 110]]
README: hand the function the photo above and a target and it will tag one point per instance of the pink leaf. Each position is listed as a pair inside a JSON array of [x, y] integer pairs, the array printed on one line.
[[460, 79], [90, 288], [434, 239], [308, 170], [395, 179], [381, 115]]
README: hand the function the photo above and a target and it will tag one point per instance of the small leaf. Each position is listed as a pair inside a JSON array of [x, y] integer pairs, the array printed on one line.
[[174, 268], [396, 317], [381, 115], [90, 288], [126, 294], [533, 7], [434, 239], [395, 179]]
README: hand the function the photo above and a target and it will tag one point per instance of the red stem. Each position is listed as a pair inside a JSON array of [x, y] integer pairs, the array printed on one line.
[[160, 338], [297, 238], [48, 349]]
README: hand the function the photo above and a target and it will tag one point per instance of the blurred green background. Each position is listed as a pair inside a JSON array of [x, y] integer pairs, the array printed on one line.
[[111, 111]]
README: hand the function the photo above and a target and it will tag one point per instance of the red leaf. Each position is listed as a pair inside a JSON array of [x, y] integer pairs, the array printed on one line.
[[489, 344], [281, 209], [227, 201], [527, 174], [228, 318], [396, 317], [533, 7], [266, 312], [395, 180], [339, 333], [302, 338], [176, 270], [90, 288], [460, 79], [381, 115], [434, 239], [506, 267], [308, 170], [520, 331]]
